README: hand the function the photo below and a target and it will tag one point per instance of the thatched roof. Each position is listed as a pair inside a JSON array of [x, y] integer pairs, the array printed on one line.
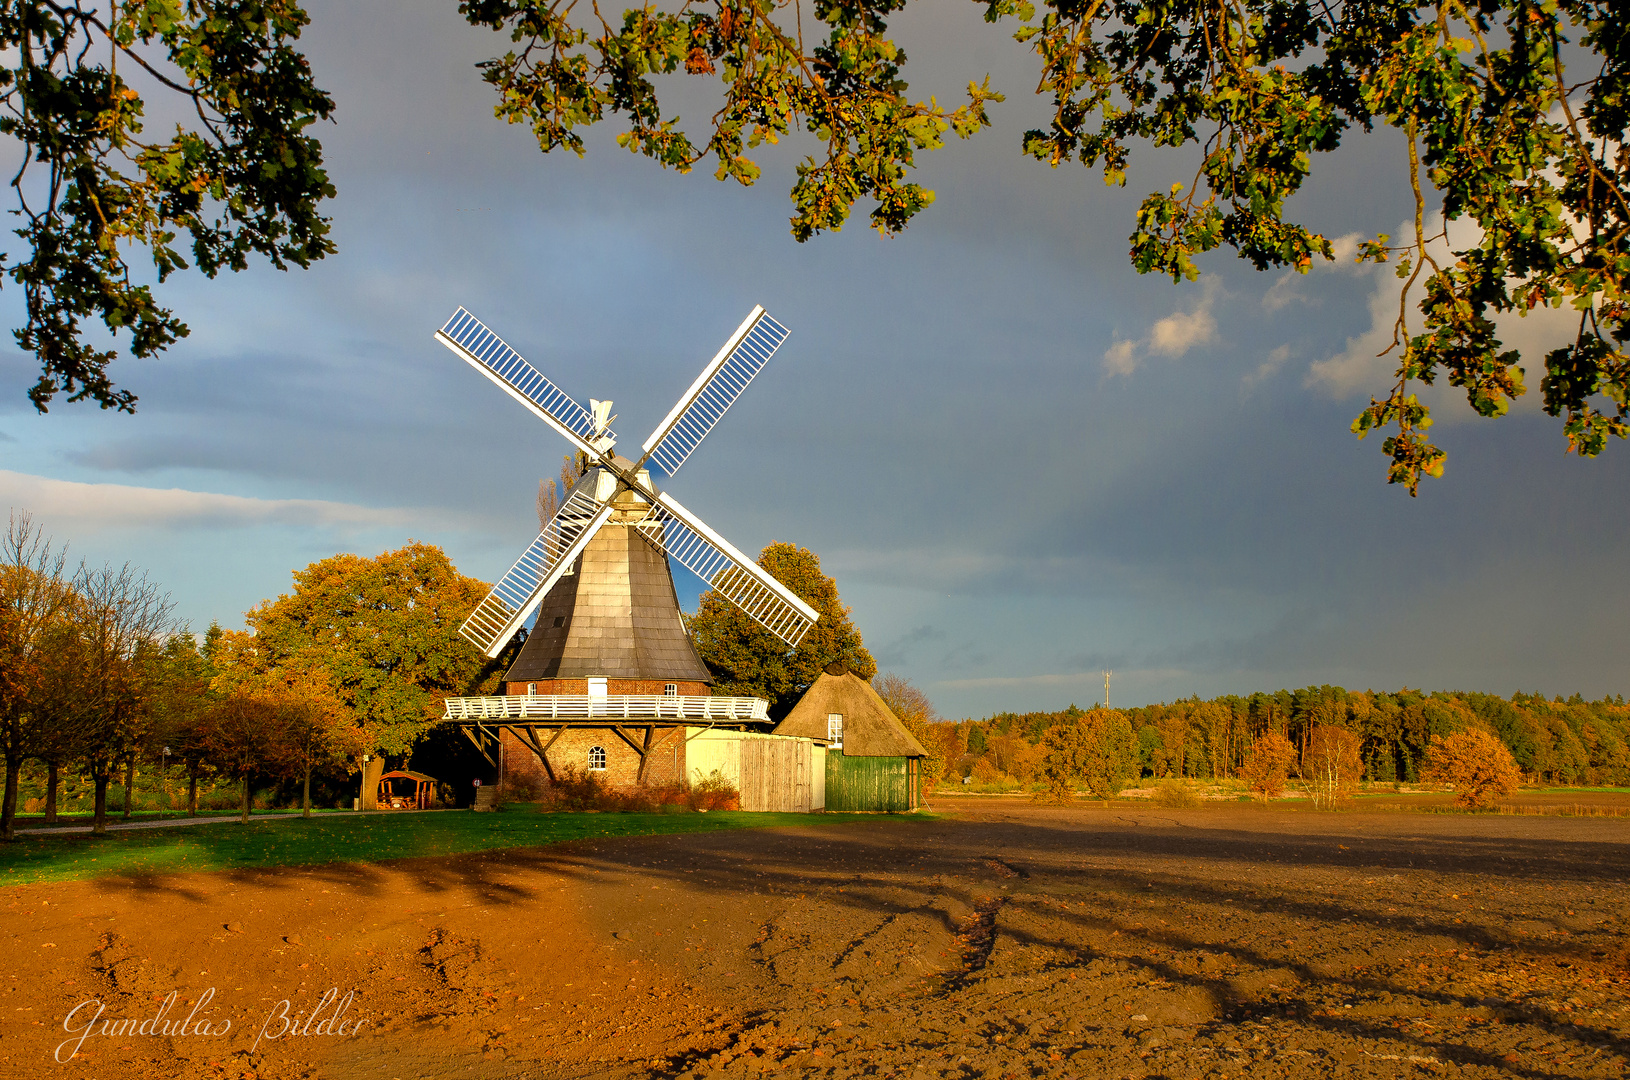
[[870, 728]]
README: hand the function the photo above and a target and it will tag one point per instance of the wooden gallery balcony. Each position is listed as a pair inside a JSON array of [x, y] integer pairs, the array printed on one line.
[[584, 707]]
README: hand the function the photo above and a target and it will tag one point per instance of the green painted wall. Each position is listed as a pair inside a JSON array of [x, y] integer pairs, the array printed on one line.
[[866, 783]]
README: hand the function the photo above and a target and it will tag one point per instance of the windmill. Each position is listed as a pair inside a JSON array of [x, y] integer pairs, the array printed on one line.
[[616, 495]]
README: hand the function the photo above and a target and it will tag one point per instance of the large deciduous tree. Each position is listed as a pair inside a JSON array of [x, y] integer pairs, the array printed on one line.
[[749, 661], [239, 177], [122, 616], [386, 632], [34, 599], [1473, 762], [1096, 748], [307, 728], [1507, 114]]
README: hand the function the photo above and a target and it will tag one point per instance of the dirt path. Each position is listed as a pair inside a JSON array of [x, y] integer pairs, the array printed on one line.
[[1005, 941], [178, 823]]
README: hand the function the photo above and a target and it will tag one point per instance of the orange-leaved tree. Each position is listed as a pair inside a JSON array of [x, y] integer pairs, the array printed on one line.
[[1473, 762], [308, 728], [386, 632], [1268, 765], [916, 713], [1096, 748], [1333, 765]]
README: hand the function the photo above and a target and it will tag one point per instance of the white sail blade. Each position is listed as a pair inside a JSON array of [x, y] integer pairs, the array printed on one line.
[[727, 571], [519, 592], [715, 390], [487, 353]]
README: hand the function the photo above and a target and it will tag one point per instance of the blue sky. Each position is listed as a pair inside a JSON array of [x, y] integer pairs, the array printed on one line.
[[1022, 462]]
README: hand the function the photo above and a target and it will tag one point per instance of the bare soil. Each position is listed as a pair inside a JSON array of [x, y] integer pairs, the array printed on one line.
[[1004, 939]]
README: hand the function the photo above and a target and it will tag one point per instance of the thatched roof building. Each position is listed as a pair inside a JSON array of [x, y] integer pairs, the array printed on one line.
[[872, 761], [869, 727]]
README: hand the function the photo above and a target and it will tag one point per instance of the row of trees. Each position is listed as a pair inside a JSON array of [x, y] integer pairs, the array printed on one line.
[[1552, 741], [1098, 750], [97, 680]]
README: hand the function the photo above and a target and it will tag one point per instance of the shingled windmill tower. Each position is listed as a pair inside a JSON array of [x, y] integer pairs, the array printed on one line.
[[609, 643]]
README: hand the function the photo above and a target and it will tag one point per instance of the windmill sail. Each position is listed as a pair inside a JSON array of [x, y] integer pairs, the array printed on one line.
[[487, 353], [518, 593], [685, 537], [715, 390]]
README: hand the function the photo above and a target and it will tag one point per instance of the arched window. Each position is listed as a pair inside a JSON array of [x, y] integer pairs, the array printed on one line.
[[597, 759]]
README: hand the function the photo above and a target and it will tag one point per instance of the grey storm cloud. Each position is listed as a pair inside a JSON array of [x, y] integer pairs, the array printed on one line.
[[1007, 502]]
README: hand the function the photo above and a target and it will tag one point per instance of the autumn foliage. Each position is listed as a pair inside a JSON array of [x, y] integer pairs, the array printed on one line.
[[1096, 748], [1476, 764], [1333, 766], [1268, 765]]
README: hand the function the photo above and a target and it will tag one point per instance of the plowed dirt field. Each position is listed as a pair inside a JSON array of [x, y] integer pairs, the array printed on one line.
[[1003, 939]]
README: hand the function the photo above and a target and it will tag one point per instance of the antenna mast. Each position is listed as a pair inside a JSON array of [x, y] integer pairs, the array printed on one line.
[[1107, 674]]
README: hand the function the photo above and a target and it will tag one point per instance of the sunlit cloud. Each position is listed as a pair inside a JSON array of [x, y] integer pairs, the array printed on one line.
[[69, 502], [1172, 336]]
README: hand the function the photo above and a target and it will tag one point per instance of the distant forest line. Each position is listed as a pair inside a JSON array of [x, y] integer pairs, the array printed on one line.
[[1554, 741]]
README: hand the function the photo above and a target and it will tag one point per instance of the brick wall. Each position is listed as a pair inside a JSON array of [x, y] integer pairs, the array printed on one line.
[[666, 764], [615, 687]]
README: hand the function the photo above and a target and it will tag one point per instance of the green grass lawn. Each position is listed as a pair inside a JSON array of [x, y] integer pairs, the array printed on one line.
[[367, 838]]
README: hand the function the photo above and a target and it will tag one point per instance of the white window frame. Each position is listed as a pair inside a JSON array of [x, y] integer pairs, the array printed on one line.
[[671, 690], [834, 729], [531, 689], [594, 753]]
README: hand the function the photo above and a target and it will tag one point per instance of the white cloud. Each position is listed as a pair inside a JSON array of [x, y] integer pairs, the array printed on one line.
[[114, 505], [1121, 358], [1172, 336], [1176, 334], [1287, 289], [1272, 364], [1284, 292], [1361, 367]]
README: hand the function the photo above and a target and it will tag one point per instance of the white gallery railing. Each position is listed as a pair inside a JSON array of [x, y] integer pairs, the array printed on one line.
[[620, 706]]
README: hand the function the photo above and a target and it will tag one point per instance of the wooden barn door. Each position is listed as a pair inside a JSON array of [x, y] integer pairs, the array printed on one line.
[[775, 775]]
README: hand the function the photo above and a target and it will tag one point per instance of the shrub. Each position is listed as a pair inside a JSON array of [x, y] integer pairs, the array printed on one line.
[[1268, 765], [714, 792], [1176, 795], [577, 789], [1333, 765], [1476, 764]]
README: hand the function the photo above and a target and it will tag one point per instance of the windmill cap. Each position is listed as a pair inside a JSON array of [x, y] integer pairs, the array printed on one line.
[[837, 667]]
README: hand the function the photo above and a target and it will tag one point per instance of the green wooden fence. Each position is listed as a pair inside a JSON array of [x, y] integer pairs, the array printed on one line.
[[866, 783]]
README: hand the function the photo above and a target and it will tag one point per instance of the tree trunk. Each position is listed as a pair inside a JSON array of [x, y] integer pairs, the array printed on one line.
[[53, 780], [246, 798], [100, 775], [305, 798], [371, 772], [8, 810], [192, 792], [130, 782]]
